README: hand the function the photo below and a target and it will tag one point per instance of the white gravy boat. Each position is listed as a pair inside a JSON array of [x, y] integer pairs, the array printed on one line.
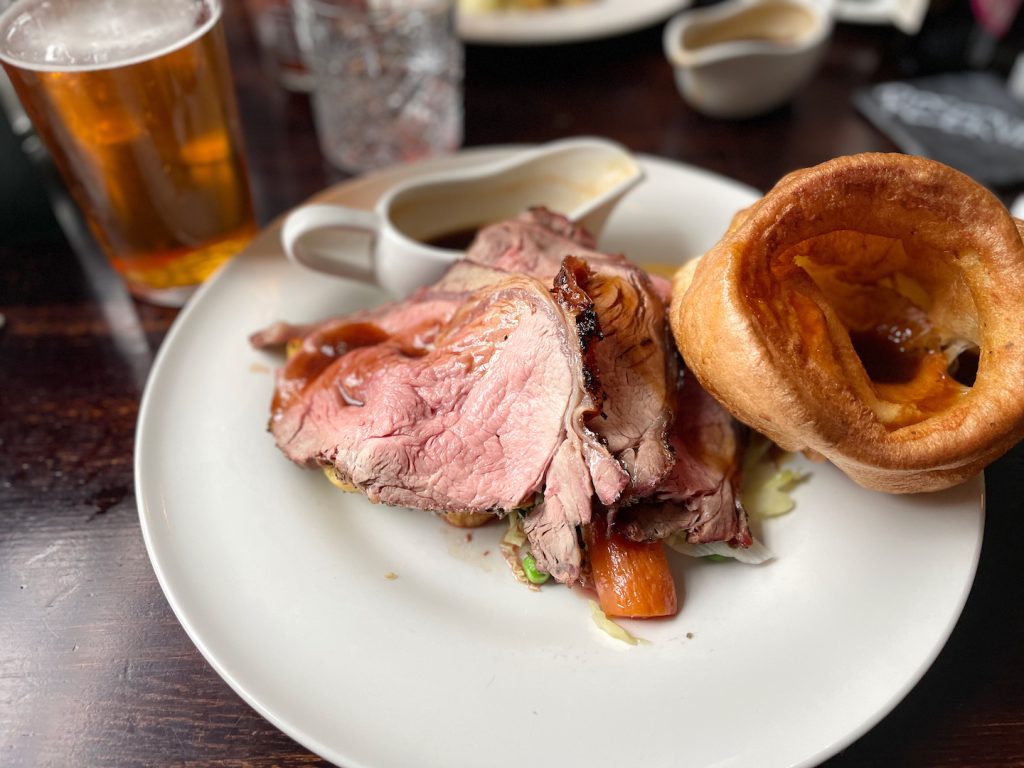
[[741, 58], [581, 178]]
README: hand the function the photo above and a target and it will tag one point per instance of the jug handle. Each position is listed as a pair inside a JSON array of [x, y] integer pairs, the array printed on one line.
[[330, 256]]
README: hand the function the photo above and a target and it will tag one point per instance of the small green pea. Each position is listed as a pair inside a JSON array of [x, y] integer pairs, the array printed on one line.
[[532, 574]]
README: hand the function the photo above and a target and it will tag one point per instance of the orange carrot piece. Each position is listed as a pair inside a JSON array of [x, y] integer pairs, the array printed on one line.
[[632, 578]]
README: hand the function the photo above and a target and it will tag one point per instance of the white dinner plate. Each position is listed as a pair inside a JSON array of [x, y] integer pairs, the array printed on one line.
[[565, 24], [382, 638]]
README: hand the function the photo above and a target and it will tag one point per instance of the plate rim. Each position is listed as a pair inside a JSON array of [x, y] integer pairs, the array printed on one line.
[[563, 24]]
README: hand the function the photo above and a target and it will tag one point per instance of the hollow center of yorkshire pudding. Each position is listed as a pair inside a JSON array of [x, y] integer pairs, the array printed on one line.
[[908, 317]]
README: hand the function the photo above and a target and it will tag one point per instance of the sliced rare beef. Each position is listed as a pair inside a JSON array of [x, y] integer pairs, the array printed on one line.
[[472, 394], [536, 374], [414, 322], [636, 367], [535, 243], [635, 357], [552, 527], [680, 447], [700, 495]]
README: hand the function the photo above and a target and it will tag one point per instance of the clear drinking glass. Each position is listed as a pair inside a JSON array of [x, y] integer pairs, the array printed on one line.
[[387, 78], [134, 102]]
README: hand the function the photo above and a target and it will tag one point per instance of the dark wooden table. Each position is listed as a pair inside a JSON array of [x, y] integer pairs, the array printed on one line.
[[94, 668]]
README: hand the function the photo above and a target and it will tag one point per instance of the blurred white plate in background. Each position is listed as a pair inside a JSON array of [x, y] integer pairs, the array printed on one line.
[[544, 26]]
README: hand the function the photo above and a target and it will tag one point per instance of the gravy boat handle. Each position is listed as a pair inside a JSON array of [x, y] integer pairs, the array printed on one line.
[[310, 236]]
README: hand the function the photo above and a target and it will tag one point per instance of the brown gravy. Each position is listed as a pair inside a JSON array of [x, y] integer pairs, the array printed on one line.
[[890, 355], [779, 22], [457, 240], [885, 359]]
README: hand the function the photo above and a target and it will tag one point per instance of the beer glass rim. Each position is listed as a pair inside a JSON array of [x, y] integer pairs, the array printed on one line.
[[22, 7]]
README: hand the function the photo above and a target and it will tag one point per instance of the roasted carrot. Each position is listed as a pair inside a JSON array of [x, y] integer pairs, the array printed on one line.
[[632, 578]]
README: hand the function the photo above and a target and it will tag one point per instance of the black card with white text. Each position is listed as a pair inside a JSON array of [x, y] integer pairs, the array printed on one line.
[[967, 120]]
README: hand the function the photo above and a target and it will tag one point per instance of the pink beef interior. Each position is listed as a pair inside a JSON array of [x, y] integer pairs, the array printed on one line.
[[536, 370]]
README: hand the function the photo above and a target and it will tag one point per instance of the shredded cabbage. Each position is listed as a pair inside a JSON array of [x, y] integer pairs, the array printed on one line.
[[513, 547], [768, 494], [765, 488], [514, 536], [612, 629], [755, 554], [764, 492]]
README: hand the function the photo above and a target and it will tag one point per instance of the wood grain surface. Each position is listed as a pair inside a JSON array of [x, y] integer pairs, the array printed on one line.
[[94, 668]]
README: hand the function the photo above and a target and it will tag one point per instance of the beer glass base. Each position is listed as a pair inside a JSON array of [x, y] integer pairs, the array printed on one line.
[[163, 297], [169, 278]]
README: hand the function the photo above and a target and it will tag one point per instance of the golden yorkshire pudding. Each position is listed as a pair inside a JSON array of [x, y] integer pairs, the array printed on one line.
[[870, 309]]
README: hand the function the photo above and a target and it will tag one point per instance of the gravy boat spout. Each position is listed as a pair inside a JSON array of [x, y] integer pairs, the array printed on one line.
[[581, 178]]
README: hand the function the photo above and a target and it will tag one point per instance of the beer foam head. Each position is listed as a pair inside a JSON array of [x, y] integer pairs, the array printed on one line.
[[70, 35]]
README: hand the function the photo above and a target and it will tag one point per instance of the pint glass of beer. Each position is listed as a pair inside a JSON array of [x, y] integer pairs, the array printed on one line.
[[133, 99]]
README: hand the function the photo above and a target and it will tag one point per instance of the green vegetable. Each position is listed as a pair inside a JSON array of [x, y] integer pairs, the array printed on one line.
[[755, 554], [530, 569], [768, 495], [514, 537], [611, 628], [716, 558], [766, 486]]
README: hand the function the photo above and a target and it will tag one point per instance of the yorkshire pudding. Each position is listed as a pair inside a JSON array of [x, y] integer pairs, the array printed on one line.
[[870, 309]]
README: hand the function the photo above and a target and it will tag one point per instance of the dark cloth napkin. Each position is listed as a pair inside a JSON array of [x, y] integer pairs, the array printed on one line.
[[967, 120]]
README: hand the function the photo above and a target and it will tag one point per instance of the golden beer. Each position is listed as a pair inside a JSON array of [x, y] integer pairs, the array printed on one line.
[[133, 99]]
